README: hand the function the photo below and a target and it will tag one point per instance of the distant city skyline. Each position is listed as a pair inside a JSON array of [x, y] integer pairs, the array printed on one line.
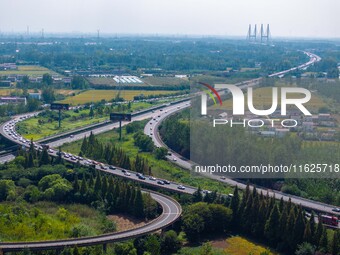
[[287, 18]]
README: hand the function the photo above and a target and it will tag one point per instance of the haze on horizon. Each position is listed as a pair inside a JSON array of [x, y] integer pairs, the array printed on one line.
[[288, 18]]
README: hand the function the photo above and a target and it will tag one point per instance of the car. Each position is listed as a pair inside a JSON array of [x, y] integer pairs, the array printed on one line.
[[166, 182], [222, 177], [151, 178], [71, 136], [150, 123], [73, 158], [181, 187], [103, 166], [112, 167], [336, 209], [127, 173], [123, 170], [161, 182], [141, 177]]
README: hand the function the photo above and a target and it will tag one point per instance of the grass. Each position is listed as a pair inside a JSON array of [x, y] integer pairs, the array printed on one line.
[[241, 246], [262, 99], [32, 129], [47, 221], [235, 245], [160, 168], [98, 95], [30, 70]]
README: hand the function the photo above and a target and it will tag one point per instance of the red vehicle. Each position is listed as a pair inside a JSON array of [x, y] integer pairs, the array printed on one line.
[[329, 220]]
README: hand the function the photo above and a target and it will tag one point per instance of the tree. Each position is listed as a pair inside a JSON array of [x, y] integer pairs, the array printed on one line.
[[234, 205], [32, 104], [299, 227], [305, 249], [161, 153], [125, 248], [47, 95], [45, 158], [170, 243], [323, 245], [197, 196], [307, 235], [79, 82], [220, 218], [83, 187], [193, 226], [139, 205], [7, 188], [84, 145], [47, 79], [25, 80], [206, 249], [318, 233], [91, 114], [271, 229], [336, 242], [152, 245]]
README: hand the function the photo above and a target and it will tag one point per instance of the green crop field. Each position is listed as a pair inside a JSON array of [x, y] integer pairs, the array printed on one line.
[[30, 70], [98, 95]]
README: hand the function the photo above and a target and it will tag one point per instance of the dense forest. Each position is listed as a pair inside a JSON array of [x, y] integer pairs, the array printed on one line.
[[32, 178], [177, 54]]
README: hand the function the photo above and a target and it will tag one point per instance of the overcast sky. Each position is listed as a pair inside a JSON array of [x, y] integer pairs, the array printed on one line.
[[293, 18]]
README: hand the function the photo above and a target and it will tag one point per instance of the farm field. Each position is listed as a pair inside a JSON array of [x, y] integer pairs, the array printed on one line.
[[30, 70], [98, 95]]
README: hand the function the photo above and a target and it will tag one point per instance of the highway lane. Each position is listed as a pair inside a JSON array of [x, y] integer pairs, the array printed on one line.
[[7, 157], [151, 129], [8, 130], [171, 209], [171, 213]]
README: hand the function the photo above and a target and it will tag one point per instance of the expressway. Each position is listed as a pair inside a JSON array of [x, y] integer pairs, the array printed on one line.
[[171, 212], [171, 209], [151, 129]]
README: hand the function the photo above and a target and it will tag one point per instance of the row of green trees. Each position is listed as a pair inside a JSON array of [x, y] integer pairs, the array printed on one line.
[[92, 148], [282, 224]]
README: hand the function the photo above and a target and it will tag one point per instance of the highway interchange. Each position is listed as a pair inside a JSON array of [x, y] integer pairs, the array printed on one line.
[[171, 209]]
